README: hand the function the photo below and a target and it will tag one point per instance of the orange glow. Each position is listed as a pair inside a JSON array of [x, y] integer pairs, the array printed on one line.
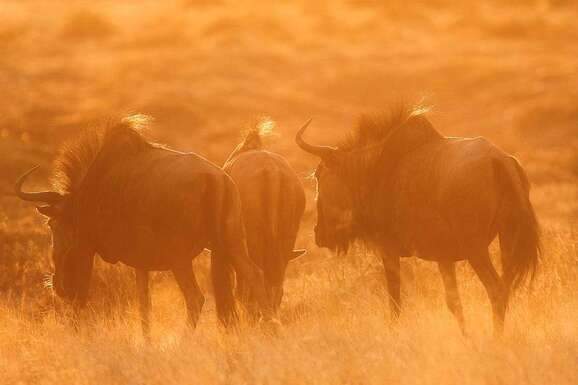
[[209, 71]]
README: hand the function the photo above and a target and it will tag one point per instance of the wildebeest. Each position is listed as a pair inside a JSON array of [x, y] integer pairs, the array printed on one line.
[[149, 207], [273, 201], [401, 187]]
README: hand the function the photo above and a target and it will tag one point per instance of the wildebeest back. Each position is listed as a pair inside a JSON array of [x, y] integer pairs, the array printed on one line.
[[154, 206]]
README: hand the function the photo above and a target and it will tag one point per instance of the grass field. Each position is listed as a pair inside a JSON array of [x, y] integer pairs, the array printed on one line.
[[205, 70]]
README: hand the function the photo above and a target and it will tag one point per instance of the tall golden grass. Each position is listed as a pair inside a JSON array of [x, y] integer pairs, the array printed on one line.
[[505, 70]]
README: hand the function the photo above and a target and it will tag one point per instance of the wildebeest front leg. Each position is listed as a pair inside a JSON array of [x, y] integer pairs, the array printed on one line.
[[193, 296], [392, 274], [448, 273], [144, 300]]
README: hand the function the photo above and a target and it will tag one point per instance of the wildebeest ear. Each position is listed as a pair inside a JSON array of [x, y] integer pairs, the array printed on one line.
[[48, 210], [297, 253]]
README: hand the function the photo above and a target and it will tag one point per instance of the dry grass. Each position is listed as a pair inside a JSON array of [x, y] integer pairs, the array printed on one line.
[[204, 69]]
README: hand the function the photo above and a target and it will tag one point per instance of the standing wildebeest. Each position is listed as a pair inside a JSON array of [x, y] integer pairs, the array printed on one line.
[[400, 186], [149, 207], [273, 201]]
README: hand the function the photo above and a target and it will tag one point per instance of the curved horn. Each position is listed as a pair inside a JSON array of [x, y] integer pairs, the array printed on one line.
[[41, 196], [320, 151]]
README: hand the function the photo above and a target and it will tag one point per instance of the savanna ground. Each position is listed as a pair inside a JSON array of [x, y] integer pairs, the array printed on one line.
[[204, 70]]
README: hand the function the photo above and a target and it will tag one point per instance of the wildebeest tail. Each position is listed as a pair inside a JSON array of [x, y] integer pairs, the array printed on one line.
[[518, 228], [222, 267], [230, 253], [272, 195], [223, 278]]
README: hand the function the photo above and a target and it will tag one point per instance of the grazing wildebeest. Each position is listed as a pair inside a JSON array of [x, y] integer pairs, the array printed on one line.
[[273, 201], [401, 187], [149, 207]]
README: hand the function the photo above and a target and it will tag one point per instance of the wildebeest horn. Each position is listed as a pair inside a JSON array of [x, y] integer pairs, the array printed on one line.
[[40, 196], [320, 151]]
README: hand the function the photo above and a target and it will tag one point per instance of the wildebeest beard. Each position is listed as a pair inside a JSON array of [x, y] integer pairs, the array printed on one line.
[[342, 240], [366, 227]]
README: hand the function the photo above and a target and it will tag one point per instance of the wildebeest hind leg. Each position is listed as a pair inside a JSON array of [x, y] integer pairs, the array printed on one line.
[[392, 274], [193, 296], [448, 273], [480, 261], [144, 299]]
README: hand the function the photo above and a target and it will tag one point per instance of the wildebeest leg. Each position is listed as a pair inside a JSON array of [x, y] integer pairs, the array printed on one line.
[[223, 277], [448, 273], [193, 296], [144, 301], [506, 247], [480, 261], [392, 274]]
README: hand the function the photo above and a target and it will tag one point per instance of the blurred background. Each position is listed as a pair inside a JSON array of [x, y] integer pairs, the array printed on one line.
[[507, 70]]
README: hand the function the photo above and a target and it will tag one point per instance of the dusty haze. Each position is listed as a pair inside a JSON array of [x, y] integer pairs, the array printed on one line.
[[205, 71]]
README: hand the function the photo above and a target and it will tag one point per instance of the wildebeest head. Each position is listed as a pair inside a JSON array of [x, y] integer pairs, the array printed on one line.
[[335, 202], [353, 180], [71, 256]]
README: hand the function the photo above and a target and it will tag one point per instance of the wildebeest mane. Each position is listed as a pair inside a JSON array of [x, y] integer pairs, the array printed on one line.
[[107, 142], [254, 135], [376, 129], [253, 138]]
